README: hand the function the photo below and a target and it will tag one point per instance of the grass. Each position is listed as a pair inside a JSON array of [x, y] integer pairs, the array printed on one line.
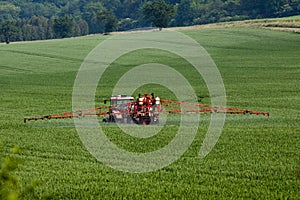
[[286, 24], [254, 158], [290, 18]]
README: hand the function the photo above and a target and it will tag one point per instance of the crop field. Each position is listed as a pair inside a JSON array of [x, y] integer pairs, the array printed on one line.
[[254, 158]]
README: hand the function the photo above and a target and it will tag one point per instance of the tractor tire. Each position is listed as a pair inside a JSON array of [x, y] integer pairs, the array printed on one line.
[[105, 120], [129, 120]]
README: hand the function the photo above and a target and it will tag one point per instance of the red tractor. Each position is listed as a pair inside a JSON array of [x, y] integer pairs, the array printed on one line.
[[144, 109]]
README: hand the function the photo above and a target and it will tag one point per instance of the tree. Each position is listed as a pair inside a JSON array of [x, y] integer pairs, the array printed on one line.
[[253, 8], [8, 11], [82, 28], [159, 13], [64, 26], [90, 15], [112, 5], [8, 30], [109, 19], [129, 9], [185, 13], [36, 19]]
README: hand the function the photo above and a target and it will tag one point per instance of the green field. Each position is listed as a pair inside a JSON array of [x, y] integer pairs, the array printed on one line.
[[254, 158]]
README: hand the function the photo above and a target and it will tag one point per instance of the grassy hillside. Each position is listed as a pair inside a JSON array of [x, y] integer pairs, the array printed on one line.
[[287, 24], [254, 158]]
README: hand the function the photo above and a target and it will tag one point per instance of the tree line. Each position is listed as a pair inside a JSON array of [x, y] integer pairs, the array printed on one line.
[[49, 19], [41, 28]]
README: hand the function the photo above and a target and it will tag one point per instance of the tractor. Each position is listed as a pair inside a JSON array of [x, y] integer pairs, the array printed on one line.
[[143, 110]]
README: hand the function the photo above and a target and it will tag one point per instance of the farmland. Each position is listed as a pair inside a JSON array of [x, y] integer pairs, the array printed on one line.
[[254, 157]]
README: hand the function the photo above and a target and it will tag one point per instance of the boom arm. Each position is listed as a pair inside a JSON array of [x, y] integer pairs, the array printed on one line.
[[186, 107], [168, 106], [94, 112]]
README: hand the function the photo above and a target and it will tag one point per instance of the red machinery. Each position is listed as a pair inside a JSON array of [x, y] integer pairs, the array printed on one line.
[[145, 110]]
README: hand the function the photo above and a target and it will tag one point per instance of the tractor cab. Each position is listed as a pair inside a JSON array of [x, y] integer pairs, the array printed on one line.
[[120, 102], [118, 109]]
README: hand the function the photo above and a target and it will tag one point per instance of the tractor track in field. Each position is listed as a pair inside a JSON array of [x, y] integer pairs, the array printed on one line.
[[14, 69], [59, 57]]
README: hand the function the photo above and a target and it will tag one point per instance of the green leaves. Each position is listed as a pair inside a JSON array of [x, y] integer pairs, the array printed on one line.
[[8, 30], [11, 188], [9, 185], [8, 11], [109, 19], [158, 12], [64, 26]]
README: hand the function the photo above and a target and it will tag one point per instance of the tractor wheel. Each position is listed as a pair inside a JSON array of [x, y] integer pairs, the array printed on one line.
[[111, 118], [129, 120], [154, 122], [140, 120], [105, 120]]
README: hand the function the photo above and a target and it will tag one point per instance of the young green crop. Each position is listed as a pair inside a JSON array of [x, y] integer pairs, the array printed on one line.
[[254, 158]]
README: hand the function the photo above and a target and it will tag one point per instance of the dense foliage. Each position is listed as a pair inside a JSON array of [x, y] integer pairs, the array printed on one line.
[[36, 19], [158, 12], [10, 187]]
